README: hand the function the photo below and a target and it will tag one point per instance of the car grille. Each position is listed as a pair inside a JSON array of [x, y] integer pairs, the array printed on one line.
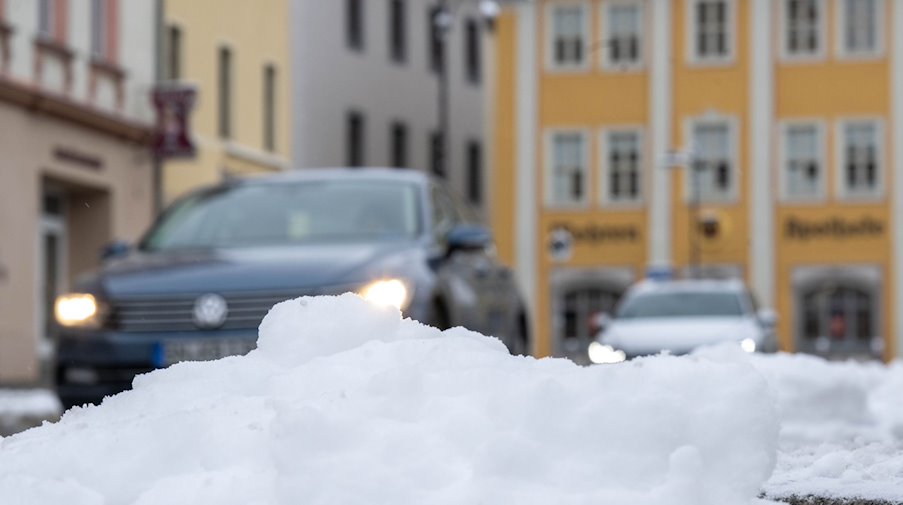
[[176, 312]]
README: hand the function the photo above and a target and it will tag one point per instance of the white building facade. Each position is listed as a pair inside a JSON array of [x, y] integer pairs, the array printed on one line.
[[367, 84]]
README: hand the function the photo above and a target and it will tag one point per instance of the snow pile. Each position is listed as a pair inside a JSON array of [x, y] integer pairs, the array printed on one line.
[[344, 403], [841, 430]]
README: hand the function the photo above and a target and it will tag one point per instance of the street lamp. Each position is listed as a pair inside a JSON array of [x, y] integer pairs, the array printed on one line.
[[688, 161], [443, 21]]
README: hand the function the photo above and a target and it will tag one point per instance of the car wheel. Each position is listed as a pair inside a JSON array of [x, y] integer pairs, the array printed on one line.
[[439, 317], [520, 343]]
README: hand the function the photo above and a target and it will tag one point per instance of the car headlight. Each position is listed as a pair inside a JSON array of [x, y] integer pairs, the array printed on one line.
[[605, 354], [77, 310], [748, 345], [387, 293]]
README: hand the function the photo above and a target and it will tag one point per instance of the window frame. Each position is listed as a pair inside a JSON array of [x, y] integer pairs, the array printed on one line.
[[355, 26], [605, 14], [473, 56], [734, 138], [878, 52], [821, 130], [692, 27], [549, 166], [605, 168], [398, 32], [225, 71], [355, 116], [270, 107], [842, 190], [783, 37], [586, 64], [475, 178], [399, 136], [48, 9], [175, 39], [99, 27]]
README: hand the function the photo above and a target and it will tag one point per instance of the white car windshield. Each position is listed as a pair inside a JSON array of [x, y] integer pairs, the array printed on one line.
[[681, 304], [289, 213]]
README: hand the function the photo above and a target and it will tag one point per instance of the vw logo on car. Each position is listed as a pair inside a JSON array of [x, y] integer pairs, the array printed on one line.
[[210, 311]]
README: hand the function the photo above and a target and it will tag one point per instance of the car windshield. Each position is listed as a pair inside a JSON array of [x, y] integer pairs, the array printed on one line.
[[289, 213], [681, 304]]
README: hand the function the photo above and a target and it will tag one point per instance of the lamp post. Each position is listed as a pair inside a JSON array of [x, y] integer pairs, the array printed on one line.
[[688, 161], [443, 20]]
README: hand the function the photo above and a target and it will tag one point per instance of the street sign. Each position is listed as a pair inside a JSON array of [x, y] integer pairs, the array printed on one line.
[[174, 103]]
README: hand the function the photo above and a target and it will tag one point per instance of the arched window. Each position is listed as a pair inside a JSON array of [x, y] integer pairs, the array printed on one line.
[[580, 303], [838, 313]]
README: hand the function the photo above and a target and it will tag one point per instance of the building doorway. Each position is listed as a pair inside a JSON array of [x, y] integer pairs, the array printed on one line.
[[52, 265]]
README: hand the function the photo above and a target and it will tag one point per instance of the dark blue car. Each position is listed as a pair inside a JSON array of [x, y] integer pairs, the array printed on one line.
[[198, 284]]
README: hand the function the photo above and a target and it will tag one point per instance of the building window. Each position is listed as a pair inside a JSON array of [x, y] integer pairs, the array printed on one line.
[[225, 92], [474, 172], [569, 33], [174, 53], [437, 155], [803, 28], [621, 166], [803, 174], [436, 41], [354, 139], [860, 158], [99, 14], [712, 173], [472, 51], [838, 311], [47, 18], [623, 26], [399, 147], [567, 180], [712, 25], [354, 24], [398, 41], [860, 27], [269, 108]]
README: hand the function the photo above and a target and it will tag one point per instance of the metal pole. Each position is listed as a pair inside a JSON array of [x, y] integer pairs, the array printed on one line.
[[443, 28], [694, 222], [157, 163]]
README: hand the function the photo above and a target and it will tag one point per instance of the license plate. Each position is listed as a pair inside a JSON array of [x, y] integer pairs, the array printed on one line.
[[174, 351]]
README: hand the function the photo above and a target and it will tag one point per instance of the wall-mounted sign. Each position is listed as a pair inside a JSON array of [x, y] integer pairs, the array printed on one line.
[[600, 233], [561, 244], [836, 228], [173, 136]]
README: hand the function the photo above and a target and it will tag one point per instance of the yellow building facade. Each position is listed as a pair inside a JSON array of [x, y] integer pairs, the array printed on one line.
[[236, 54], [711, 138]]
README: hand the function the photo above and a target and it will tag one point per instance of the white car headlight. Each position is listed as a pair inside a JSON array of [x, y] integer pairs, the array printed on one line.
[[76, 310], [605, 354], [387, 293], [748, 345]]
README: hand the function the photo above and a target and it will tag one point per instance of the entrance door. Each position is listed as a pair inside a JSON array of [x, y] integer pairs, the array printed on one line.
[[52, 265]]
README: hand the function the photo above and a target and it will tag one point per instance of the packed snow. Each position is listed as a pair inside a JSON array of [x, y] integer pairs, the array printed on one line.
[[841, 429], [346, 403]]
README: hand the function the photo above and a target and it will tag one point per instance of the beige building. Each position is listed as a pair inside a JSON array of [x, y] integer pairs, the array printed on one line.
[[236, 55], [75, 173]]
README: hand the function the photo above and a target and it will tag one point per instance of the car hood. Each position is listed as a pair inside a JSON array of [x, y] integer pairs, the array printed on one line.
[[642, 337], [297, 268]]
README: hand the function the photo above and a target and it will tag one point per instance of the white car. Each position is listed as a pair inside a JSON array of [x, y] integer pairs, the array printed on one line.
[[676, 317]]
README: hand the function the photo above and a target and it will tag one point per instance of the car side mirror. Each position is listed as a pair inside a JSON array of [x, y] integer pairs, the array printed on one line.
[[768, 318], [468, 237], [114, 250]]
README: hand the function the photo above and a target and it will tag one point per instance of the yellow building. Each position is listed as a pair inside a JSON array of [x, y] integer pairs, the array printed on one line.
[[722, 138], [236, 54]]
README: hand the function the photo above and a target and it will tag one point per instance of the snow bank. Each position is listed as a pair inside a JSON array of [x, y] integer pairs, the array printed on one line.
[[24, 408], [841, 429], [344, 403]]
